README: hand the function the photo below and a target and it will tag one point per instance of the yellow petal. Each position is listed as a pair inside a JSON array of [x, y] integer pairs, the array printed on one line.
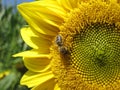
[[48, 85], [57, 10], [57, 87], [44, 19], [32, 79], [34, 39], [33, 54], [37, 23], [68, 4], [37, 64]]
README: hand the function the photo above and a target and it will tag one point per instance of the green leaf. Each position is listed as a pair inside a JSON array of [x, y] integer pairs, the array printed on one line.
[[9, 82]]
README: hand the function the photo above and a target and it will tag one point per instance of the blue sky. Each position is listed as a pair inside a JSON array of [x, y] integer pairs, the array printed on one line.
[[13, 2]]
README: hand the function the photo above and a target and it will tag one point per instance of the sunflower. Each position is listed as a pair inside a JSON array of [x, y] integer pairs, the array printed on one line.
[[76, 44]]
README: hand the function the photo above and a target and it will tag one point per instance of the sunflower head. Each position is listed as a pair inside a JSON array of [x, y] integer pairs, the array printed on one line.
[[91, 35], [79, 39]]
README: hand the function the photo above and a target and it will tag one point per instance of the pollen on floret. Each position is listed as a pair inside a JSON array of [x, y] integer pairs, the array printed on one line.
[[91, 34]]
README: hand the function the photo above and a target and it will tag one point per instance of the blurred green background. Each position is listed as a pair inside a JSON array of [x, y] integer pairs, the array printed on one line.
[[11, 69]]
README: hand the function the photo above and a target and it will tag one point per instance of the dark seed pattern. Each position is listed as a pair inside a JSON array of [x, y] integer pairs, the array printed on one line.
[[95, 54]]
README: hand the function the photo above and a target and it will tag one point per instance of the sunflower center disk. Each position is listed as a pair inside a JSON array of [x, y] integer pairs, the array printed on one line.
[[96, 54]]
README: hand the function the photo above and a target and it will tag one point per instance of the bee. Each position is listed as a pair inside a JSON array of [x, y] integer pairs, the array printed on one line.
[[59, 41], [62, 49]]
